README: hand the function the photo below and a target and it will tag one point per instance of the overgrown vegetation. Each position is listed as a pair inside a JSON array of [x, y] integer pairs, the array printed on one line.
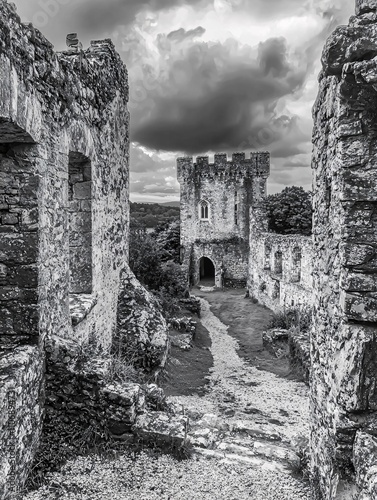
[[301, 466], [290, 212], [298, 318], [154, 258], [152, 215]]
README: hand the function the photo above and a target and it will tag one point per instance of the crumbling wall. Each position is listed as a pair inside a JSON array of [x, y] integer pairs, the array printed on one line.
[[228, 188], [280, 266], [343, 341], [56, 111]]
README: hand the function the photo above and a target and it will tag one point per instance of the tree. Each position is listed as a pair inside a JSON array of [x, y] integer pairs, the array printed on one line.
[[168, 237], [154, 258], [290, 212]]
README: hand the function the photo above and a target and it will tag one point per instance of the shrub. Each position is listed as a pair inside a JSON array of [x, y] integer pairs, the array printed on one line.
[[299, 318], [154, 261]]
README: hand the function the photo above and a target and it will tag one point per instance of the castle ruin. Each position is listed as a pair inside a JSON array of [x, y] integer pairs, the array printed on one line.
[[216, 199], [65, 284], [224, 227]]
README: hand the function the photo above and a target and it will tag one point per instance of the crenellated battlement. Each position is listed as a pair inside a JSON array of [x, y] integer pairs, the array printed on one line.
[[257, 165]]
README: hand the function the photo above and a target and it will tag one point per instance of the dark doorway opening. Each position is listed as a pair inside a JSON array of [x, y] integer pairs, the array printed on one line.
[[207, 271]]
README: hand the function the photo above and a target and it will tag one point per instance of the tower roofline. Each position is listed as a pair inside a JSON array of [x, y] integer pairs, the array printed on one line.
[[257, 164]]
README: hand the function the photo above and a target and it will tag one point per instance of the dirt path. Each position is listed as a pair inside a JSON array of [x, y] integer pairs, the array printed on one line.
[[238, 388], [246, 322], [248, 415]]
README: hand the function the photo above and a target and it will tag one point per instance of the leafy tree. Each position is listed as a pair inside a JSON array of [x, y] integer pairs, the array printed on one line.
[[168, 237], [154, 258], [290, 212]]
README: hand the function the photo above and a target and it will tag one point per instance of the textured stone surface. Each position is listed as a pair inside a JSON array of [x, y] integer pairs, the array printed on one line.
[[21, 409], [343, 340], [280, 266], [161, 428], [63, 210], [365, 460], [229, 188], [299, 353], [142, 332]]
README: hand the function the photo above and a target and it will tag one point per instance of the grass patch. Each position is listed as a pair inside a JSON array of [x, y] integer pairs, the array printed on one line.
[[298, 318]]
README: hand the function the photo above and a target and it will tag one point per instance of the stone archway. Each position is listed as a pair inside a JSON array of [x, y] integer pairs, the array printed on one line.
[[207, 271]]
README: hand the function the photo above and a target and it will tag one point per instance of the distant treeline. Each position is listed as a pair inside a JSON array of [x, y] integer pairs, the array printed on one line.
[[153, 214]]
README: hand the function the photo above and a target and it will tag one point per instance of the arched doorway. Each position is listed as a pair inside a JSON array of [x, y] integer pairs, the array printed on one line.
[[207, 272]]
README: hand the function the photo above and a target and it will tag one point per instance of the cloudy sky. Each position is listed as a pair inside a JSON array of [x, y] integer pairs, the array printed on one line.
[[208, 76]]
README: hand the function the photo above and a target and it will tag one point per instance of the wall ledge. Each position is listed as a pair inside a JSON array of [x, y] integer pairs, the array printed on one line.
[[80, 305]]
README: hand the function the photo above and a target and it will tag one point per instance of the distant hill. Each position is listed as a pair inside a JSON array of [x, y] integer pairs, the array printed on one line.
[[153, 214], [171, 204]]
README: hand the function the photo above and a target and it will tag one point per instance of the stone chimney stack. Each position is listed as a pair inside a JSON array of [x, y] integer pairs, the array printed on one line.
[[73, 43], [364, 6]]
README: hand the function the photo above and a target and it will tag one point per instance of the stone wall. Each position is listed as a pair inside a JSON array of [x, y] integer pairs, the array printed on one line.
[[21, 410], [63, 216], [343, 346], [219, 231], [280, 266], [230, 253]]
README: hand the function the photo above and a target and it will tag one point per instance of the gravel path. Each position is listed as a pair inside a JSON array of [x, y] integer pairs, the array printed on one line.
[[238, 392], [239, 386]]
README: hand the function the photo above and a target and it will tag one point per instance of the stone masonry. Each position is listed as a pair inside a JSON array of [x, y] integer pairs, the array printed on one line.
[[344, 336], [215, 204], [63, 217], [280, 266]]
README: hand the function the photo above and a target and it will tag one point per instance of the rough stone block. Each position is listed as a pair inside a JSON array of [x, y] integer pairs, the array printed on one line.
[[357, 282], [364, 6], [365, 460], [350, 129], [359, 254], [358, 184], [161, 428], [80, 222], [9, 219], [19, 248], [82, 191], [360, 307], [24, 276], [8, 293]]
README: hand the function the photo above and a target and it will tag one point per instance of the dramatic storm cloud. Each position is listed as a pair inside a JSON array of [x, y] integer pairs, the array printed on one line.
[[208, 76], [213, 96], [90, 18]]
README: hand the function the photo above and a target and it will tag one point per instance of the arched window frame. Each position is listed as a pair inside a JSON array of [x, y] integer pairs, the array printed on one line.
[[278, 262], [296, 264], [204, 210], [267, 256]]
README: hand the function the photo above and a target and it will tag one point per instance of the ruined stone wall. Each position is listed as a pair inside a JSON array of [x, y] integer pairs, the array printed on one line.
[[57, 112], [227, 188], [343, 350], [280, 266]]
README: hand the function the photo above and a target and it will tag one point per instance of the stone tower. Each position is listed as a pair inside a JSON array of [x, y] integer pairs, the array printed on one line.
[[216, 199]]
